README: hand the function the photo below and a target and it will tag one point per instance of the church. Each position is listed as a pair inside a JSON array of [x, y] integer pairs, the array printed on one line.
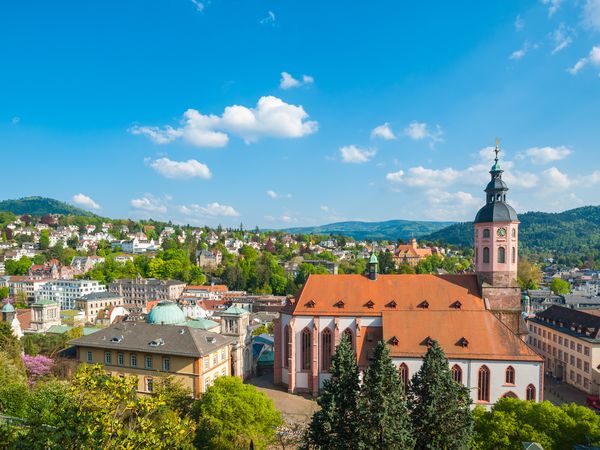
[[476, 318]]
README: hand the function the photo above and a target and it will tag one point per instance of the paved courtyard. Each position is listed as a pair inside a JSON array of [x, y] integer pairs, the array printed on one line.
[[295, 409], [559, 393]]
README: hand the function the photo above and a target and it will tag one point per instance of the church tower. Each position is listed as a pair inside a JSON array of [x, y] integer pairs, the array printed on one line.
[[496, 229]]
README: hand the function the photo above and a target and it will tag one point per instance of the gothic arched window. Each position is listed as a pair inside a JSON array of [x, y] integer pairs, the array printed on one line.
[[349, 336], [514, 232], [513, 256], [483, 384], [486, 255], [286, 346], [403, 372], [530, 392], [501, 255], [510, 394], [509, 375], [306, 349], [457, 373], [486, 233], [327, 344]]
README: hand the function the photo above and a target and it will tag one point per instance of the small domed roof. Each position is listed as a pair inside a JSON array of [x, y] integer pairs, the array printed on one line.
[[496, 212], [166, 313], [8, 308]]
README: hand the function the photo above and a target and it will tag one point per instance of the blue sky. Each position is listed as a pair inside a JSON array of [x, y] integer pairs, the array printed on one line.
[[287, 113]]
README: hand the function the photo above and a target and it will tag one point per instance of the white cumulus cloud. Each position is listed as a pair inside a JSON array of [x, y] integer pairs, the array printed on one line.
[[85, 201], [395, 177], [593, 58], [272, 117], [274, 195], [210, 210], [591, 14], [562, 38], [181, 169], [288, 81], [418, 131], [383, 132], [355, 155], [545, 155], [149, 204], [553, 6], [557, 179]]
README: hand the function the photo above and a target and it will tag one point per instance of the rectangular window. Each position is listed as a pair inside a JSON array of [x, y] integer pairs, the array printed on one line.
[[586, 366], [133, 360], [586, 351], [560, 355], [148, 362], [578, 363], [579, 348], [572, 344], [120, 359], [222, 355], [149, 385], [89, 357], [560, 340], [215, 359], [586, 383], [107, 357], [206, 363], [566, 342], [166, 364], [544, 333], [572, 360], [554, 337], [578, 379], [572, 376]]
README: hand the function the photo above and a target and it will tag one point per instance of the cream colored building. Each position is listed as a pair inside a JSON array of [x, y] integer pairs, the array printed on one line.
[[194, 357], [93, 303], [569, 341]]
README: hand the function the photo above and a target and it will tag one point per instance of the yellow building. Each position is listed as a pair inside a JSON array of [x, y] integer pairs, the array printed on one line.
[[194, 357]]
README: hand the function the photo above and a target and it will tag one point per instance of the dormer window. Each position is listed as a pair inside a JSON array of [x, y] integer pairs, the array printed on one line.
[[394, 340], [339, 304], [370, 304], [427, 342], [424, 304], [310, 304], [391, 304], [116, 339], [456, 305], [157, 342], [462, 342]]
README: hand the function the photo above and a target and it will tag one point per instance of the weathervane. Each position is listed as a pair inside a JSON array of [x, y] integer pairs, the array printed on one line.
[[497, 149]]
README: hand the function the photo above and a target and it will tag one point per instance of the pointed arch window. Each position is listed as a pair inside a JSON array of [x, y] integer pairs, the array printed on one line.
[[306, 349], [348, 334], [457, 373], [403, 373], [286, 346], [510, 394], [513, 256], [483, 384], [509, 375], [486, 255], [514, 233], [327, 345], [501, 255], [530, 392]]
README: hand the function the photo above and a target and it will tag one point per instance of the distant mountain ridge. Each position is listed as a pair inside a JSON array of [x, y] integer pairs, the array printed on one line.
[[387, 230], [39, 206]]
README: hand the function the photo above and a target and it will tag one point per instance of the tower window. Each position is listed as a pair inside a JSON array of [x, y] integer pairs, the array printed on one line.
[[306, 349], [326, 342], [403, 372], [286, 346], [486, 233], [514, 233], [483, 384], [513, 256], [501, 255], [486, 255]]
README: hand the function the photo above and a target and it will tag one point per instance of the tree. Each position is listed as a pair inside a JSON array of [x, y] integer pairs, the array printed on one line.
[[337, 424], [9, 343], [512, 421], [4, 292], [44, 240], [560, 286], [232, 415], [440, 415], [385, 421], [19, 267], [529, 275]]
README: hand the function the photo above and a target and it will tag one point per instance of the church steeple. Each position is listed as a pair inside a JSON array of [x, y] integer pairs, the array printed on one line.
[[373, 265]]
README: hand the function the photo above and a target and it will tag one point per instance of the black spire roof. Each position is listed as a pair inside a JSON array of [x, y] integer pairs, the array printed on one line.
[[496, 209]]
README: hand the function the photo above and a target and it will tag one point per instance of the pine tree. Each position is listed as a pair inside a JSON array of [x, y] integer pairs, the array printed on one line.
[[439, 406], [336, 425], [385, 420]]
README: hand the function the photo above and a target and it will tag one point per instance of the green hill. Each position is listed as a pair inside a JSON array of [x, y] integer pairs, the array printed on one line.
[[573, 236], [39, 206], [389, 230]]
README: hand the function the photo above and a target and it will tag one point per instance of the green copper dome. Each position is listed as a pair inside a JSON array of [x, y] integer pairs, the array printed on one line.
[[373, 259], [166, 313], [8, 308]]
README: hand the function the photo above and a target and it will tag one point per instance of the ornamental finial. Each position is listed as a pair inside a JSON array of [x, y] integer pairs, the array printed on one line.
[[497, 149]]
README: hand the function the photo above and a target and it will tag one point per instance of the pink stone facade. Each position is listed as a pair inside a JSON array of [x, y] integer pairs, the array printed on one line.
[[497, 251]]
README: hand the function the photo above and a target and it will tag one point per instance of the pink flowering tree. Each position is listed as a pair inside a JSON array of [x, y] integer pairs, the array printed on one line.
[[37, 366]]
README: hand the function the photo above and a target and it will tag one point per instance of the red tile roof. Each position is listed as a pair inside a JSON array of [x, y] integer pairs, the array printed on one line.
[[486, 336], [361, 295]]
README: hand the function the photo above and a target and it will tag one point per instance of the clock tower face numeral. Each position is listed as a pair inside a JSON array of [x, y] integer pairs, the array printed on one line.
[[501, 232]]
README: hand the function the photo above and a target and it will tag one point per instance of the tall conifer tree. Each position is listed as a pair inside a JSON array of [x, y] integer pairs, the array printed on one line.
[[439, 406], [336, 425], [385, 420]]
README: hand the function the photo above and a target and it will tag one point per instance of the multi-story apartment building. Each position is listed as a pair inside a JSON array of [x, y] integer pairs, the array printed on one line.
[[66, 292], [193, 357], [29, 286], [92, 303], [137, 291], [569, 341]]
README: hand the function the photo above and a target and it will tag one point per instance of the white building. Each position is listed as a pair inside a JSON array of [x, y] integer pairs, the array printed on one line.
[[66, 292]]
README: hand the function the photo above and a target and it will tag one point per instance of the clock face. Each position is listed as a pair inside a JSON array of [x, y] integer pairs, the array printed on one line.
[[501, 232]]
